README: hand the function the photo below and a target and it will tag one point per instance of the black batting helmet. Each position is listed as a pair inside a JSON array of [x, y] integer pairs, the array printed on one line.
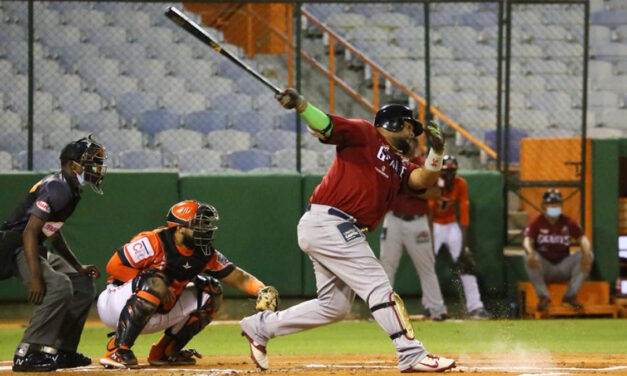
[[449, 162], [552, 196], [91, 156], [392, 116]]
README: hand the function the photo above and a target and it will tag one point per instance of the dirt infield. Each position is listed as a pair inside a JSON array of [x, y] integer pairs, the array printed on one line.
[[379, 365]]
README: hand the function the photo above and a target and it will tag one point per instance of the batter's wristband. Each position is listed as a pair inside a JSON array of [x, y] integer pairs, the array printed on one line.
[[317, 120], [434, 161]]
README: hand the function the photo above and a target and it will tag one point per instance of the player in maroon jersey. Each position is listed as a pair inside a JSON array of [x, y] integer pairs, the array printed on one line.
[[548, 258], [369, 170]]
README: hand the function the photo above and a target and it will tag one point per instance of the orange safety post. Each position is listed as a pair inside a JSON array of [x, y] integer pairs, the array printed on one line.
[[375, 90], [331, 74]]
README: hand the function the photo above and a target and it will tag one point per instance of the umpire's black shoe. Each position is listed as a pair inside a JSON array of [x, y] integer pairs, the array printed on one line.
[[35, 361], [71, 359]]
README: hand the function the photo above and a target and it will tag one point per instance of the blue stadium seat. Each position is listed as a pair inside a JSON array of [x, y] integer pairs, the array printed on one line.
[[56, 140], [156, 36], [130, 105], [120, 140], [211, 86], [6, 161], [146, 68], [71, 54], [98, 121], [252, 121], [94, 68], [164, 85], [43, 102], [11, 122], [199, 160], [152, 122], [247, 160], [140, 159], [609, 18], [43, 160], [85, 18], [233, 102], [107, 36], [206, 121], [229, 140], [174, 140], [11, 33], [229, 70], [59, 36], [286, 159], [131, 19], [81, 104], [124, 51], [18, 141], [275, 140], [47, 122], [184, 103], [69, 83], [116, 85]]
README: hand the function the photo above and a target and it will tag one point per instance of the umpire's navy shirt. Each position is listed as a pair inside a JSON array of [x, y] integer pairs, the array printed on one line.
[[52, 199]]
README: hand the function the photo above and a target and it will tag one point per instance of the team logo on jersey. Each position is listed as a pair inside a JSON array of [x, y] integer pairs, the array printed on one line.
[[395, 162], [138, 250], [43, 206], [187, 265], [50, 228]]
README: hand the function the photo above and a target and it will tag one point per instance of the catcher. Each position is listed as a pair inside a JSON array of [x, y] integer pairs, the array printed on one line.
[[156, 284]]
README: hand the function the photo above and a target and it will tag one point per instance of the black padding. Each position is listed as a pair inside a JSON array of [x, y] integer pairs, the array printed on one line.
[[398, 334], [382, 305]]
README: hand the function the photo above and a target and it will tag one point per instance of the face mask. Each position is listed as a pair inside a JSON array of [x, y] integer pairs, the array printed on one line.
[[554, 212], [81, 178], [188, 241]]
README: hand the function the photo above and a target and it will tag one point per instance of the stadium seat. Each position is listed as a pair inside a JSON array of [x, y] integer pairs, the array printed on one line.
[[614, 118], [152, 122], [571, 119], [275, 140], [603, 132], [85, 19], [156, 36], [70, 55], [17, 141], [525, 119], [56, 140], [42, 101], [233, 102], [456, 100], [130, 105], [146, 68], [197, 69], [472, 118], [205, 121], [477, 83], [609, 18], [174, 140], [68, 83], [345, 20], [116, 85], [140, 159], [616, 84], [120, 140], [609, 51], [246, 160], [98, 121], [80, 104], [286, 159], [184, 103], [10, 122], [6, 161], [551, 101], [59, 36], [43, 160], [367, 33], [163, 85], [124, 51], [94, 68], [603, 99], [288, 121], [210, 86], [454, 68], [11, 33], [478, 20], [199, 160], [107, 36], [131, 19], [390, 20], [252, 121], [527, 84], [46, 122], [229, 140]]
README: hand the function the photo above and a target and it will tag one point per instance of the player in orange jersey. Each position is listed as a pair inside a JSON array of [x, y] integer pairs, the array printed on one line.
[[447, 230]]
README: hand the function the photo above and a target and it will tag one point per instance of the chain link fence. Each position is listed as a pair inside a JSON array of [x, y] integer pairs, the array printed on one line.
[[158, 98]]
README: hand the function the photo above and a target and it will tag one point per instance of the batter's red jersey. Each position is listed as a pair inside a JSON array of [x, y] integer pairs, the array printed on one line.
[[365, 175], [410, 204], [444, 210], [552, 241]]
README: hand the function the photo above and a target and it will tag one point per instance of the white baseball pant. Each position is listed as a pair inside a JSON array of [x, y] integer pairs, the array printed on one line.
[[451, 235], [415, 237]]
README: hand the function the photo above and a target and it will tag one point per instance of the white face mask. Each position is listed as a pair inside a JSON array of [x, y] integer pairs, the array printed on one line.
[[81, 178], [554, 211]]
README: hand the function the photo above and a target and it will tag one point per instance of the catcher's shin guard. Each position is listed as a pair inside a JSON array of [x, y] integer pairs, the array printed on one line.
[[134, 317], [397, 304], [172, 343]]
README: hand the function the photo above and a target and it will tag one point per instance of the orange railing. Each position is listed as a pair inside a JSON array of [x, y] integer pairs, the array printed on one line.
[[377, 72]]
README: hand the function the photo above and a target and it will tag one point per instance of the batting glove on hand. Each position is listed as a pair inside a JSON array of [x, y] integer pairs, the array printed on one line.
[[267, 299], [434, 135], [290, 98]]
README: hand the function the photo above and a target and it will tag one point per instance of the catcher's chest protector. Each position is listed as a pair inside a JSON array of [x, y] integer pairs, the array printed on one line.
[[177, 265]]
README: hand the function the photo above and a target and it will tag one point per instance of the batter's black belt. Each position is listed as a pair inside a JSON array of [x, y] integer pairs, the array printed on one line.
[[405, 217], [338, 213]]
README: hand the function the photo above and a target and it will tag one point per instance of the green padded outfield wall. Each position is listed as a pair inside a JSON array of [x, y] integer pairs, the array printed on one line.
[[257, 227], [486, 205], [132, 202]]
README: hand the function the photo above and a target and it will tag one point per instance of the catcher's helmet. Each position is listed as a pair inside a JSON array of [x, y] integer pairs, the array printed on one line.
[[551, 196], [197, 216], [91, 156], [392, 116], [449, 162]]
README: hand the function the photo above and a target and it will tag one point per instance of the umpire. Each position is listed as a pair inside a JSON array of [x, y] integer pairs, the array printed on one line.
[[60, 287]]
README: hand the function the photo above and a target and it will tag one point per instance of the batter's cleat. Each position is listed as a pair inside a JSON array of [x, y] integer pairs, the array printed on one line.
[[257, 353], [479, 314], [431, 363], [119, 358], [185, 357], [572, 303], [544, 302], [71, 359], [34, 361]]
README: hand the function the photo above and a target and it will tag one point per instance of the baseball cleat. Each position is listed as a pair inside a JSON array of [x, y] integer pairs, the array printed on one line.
[[34, 361], [257, 353], [479, 314], [185, 357], [119, 358], [71, 359], [431, 363], [543, 303], [572, 303]]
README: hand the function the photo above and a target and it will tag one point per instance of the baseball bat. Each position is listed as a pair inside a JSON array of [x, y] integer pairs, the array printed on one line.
[[196, 30]]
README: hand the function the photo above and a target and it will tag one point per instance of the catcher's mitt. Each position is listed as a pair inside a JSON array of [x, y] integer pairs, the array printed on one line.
[[267, 299]]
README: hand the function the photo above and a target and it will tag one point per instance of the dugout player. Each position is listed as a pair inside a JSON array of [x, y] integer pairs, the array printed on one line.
[[447, 230], [365, 176], [548, 258], [60, 287], [407, 226], [149, 288]]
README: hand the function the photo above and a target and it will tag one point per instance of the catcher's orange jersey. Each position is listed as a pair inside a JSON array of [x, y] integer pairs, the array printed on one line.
[[444, 208], [156, 249]]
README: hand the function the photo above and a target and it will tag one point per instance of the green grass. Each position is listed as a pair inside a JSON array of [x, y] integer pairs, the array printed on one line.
[[576, 336]]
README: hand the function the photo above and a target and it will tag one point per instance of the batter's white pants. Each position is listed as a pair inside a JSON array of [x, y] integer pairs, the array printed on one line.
[[415, 237], [113, 299], [344, 265], [451, 235]]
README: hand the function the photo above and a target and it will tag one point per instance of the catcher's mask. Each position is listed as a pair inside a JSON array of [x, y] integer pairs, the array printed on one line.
[[199, 217], [91, 156], [392, 117]]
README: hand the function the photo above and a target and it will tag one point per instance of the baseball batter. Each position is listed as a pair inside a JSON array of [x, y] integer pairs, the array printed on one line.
[[406, 226], [365, 176], [60, 287], [446, 230], [156, 284]]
